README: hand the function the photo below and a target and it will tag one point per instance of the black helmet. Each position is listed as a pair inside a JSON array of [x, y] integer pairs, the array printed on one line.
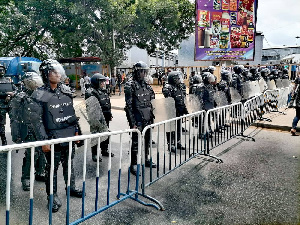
[[32, 80], [238, 69], [47, 66], [208, 78], [285, 71], [253, 70], [226, 75], [174, 77], [96, 79], [265, 72], [211, 69], [197, 79], [137, 68]]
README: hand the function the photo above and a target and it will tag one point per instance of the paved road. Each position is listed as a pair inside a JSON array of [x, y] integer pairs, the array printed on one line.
[[258, 183]]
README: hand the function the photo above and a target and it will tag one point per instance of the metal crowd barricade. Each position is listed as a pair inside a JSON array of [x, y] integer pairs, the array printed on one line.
[[121, 180], [253, 110], [271, 100], [221, 125], [165, 132]]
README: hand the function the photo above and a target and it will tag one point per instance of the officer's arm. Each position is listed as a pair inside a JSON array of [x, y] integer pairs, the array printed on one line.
[[128, 106], [13, 112], [37, 123]]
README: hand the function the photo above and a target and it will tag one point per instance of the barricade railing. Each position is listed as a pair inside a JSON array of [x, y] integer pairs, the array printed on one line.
[[205, 131], [271, 100], [173, 146], [221, 125], [253, 110], [117, 183], [283, 97]]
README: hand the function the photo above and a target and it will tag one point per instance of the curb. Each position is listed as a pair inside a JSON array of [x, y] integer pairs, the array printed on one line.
[[275, 127]]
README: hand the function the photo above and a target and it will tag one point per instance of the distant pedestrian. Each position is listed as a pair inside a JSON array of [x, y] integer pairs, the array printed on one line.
[[119, 82], [87, 80], [295, 102], [159, 78], [112, 85], [293, 72], [82, 86]]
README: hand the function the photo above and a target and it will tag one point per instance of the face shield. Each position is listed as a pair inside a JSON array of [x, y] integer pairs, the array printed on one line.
[[142, 74], [58, 68], [102, 84], [2, 71], [32, 81]]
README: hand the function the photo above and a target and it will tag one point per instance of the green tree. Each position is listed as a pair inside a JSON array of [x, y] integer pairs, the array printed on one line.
[[104, 28]]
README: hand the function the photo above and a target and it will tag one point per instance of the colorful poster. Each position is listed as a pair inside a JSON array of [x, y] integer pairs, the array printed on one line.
[[233, 18], [233, 5], [225, 30], [203, 18]]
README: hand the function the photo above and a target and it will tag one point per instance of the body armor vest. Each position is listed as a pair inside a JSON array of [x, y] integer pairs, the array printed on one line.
[[104, 100], [5, 86], [208, 97], [141, 101]]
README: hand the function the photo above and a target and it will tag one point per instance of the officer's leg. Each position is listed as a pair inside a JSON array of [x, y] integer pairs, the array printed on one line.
[[2, 126], [25, 179], [56, 201], [134, 152], [75, 192], [94, 153], [104, 144], [40, 163], [171, 141], [179, 127], [147, 147]]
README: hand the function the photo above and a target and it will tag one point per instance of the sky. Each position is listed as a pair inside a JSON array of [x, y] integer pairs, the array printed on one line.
[[279, 20]]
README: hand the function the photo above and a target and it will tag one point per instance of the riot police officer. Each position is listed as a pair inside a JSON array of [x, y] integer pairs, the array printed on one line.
[[265, 74], [139, 110], [98, 83], [25, 119], [176, 90], [58, 121], [224, 84], [6, 92], [237, 79]]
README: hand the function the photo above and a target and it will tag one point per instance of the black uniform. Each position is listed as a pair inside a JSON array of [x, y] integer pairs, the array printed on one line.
[[139, 112], [177, 91], [58, 121], [104, 102], [5, 86], [25, 119]]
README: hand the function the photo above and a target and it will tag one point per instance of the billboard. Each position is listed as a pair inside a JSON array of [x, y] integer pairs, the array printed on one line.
[[225, 29]]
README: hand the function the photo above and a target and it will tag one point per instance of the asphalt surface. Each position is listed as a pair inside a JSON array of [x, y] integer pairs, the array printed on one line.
[[258, 183]]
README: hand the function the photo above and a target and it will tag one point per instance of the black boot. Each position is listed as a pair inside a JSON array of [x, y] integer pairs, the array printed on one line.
[[75, 192], [148, 164], [40, 177], [94, 154], [106, 153], [104, 148], [133, 170], [56, 203], [171, 141], [26, 185], [180, 147], [3, 139]]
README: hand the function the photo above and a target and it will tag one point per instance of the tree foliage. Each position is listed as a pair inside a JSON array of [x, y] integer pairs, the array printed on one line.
[[104, 28]]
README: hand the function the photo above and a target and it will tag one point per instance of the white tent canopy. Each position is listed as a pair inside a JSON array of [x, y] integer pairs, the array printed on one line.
[[293, 58]]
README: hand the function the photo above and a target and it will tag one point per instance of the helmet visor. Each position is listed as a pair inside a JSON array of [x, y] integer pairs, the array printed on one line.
[[59, 69]]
